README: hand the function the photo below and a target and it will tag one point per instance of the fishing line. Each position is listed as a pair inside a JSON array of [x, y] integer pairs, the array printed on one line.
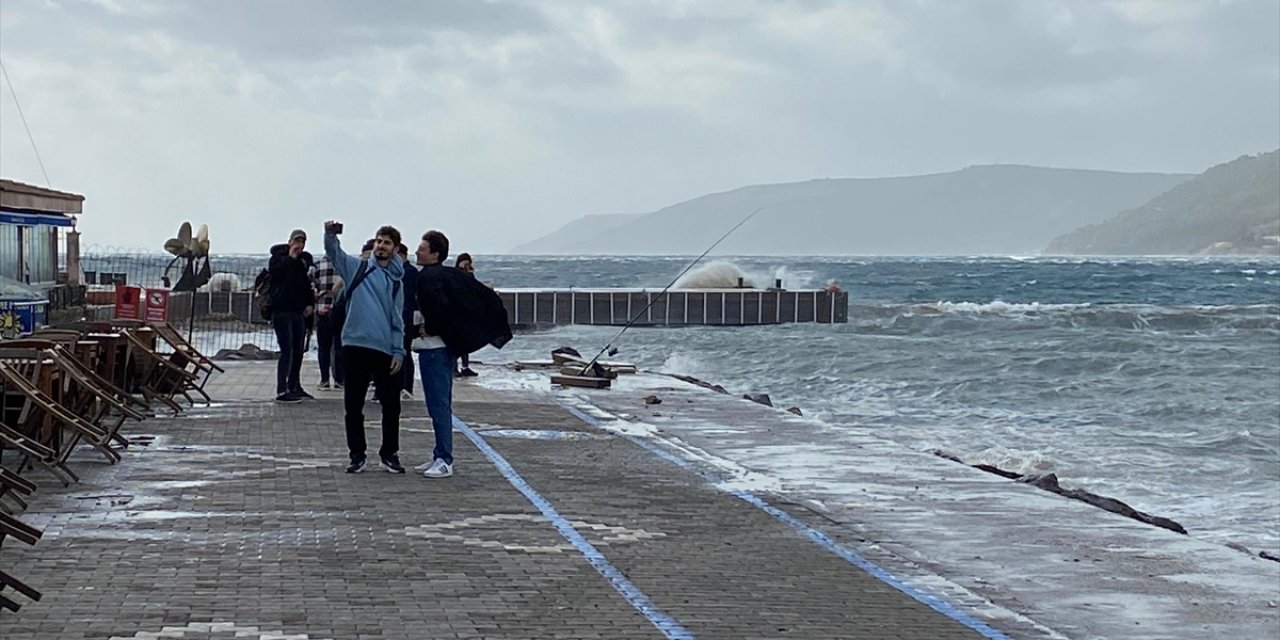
[[609, 346]]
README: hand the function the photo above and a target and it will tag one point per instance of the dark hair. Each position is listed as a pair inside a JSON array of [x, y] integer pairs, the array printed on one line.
[[462, 257], [368, 246], [390, 232], [438, 243], [402, 249]]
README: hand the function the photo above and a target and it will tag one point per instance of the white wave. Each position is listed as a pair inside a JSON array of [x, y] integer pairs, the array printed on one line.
[[714, 275], [1023, 462], [682, 363], [1000, 307]]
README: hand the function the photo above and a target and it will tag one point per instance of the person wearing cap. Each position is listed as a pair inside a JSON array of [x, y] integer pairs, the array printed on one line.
[[291, 300]]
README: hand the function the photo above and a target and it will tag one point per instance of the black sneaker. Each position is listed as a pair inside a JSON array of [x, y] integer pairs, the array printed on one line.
[[392, 464], [302, 395], [467, 373], [288, 397], [356, 466]]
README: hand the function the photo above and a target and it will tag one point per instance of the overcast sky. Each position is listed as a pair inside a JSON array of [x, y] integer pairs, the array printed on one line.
[[497, 121]]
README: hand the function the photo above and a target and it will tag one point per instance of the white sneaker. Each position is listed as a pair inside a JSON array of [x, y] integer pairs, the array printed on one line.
[[438, 469], [424, 466]]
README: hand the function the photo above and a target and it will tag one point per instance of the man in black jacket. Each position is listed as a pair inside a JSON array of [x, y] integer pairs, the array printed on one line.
[[456, 314], [291, 300]]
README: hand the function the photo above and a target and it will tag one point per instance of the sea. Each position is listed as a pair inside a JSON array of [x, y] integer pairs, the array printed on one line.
[[1153, 381]]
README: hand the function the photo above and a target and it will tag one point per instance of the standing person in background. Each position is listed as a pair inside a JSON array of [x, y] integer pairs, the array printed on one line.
[[464, 264], [410, 305], [291, 300], [372, 339], [327, 284]]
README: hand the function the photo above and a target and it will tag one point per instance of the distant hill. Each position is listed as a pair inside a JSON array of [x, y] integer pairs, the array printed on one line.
[[994, 209], [1231, 209], [578, 233]]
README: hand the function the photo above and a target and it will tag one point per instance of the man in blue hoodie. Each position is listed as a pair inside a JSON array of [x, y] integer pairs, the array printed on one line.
[[372, 339]]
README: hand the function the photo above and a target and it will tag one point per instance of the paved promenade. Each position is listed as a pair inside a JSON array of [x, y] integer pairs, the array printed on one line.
[[237, 521]]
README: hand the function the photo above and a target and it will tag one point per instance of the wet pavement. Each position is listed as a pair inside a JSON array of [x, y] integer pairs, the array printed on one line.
[[238, 521]]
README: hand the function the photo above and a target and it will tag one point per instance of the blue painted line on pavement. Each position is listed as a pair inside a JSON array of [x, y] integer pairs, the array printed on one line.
[[627, 589], [818, 537]]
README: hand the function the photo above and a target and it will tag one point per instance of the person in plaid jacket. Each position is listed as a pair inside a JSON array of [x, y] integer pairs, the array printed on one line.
[[328, 284]]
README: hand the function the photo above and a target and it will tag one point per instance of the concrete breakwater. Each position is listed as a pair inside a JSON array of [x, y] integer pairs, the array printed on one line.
[[723, 307], [550, 307]]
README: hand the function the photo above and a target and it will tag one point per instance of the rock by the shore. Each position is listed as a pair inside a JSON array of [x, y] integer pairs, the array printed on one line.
[[568, 351], [758, 398], [795, 410], [1049, 482], [246, 352], [651, 399]]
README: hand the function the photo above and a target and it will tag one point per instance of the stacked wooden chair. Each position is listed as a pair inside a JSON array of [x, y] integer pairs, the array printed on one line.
[[12, 528], [80, 384]]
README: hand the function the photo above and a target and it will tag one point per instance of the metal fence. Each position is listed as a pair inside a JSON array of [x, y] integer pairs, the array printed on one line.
[[221, 314]]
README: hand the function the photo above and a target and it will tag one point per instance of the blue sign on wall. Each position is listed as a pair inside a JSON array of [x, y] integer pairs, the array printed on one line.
[[19, 318]]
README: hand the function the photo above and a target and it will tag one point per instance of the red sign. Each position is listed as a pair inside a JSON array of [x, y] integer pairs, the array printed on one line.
[[157, 307], [128, 303]]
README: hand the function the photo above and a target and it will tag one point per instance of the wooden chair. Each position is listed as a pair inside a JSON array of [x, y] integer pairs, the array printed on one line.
[[31, 450], [13, 486], [205, 367], [82, 363], [20, 370], [7, 580], [159, 379], [11, 527]]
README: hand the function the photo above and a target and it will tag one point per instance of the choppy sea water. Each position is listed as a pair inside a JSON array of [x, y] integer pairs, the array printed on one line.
[[1153, 381]]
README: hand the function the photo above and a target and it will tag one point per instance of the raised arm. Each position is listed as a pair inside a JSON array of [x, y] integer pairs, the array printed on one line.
[[345, 265]]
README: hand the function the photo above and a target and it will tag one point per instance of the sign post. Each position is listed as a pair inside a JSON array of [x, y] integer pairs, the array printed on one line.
[[157, 308]]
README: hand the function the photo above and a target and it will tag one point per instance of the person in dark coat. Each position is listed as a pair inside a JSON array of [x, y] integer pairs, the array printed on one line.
[[456, 314], [465, 264], [291, 301]]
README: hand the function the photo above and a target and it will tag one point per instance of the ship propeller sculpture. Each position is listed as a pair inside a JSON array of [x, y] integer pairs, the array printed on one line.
[[190, 249]]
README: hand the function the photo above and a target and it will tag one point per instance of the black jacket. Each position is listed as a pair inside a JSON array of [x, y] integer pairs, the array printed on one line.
[[290, 290], [464, 312]]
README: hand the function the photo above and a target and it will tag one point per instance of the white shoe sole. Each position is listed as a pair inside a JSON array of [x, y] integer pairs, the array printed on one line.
[[438, 475]]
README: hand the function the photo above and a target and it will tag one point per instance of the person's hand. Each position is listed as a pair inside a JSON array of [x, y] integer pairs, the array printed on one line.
[[308, 311], [295, 249], [396, 363], [333, 226]]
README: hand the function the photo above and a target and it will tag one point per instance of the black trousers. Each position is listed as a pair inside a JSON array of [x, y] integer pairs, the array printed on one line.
[[361, 367], [291, 335]]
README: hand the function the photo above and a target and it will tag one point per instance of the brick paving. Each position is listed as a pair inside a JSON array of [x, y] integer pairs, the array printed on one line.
[[237, 521]]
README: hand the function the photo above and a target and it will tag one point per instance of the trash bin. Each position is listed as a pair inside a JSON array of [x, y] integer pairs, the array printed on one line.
[[22, 309]]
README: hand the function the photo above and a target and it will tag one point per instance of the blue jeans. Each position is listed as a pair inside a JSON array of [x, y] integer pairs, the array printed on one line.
[[291, 334], [435, 367]]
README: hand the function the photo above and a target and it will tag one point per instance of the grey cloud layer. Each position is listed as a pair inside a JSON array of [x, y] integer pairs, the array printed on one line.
[[498, 120]]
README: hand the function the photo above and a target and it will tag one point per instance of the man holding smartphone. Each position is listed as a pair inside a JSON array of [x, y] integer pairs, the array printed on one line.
[[372, 339]]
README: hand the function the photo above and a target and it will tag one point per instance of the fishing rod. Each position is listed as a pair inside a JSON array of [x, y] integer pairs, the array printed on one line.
[[609, 346]]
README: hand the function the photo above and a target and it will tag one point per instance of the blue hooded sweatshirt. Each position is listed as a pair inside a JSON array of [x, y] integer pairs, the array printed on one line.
[[375, 317]]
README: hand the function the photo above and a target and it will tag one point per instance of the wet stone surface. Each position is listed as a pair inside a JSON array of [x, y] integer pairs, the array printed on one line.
[[238, 521]]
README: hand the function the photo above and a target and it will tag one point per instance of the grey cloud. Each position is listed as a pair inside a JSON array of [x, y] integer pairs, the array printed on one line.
[[321, 29]]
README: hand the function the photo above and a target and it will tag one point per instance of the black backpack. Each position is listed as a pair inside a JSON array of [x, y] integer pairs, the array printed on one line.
[[262, 294]]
